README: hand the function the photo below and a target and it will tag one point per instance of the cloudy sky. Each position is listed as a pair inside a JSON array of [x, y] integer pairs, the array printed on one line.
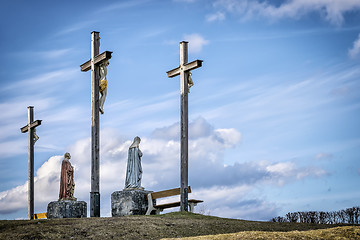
[[273, 116]]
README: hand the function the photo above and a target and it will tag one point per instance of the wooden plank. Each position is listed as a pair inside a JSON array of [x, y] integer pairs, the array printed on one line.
[[36, 123], [195, 201], [167, 193], [176, 204], [168, 205], [193, 65], [174, 72], [187, 67], [24, 129], [98, 59]]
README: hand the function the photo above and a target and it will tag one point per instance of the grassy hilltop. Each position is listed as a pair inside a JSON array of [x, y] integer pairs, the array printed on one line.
[[171, 225]]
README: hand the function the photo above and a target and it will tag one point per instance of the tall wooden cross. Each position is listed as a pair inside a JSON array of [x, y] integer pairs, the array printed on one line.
[[30, 127], [93, 65], [183, 70]]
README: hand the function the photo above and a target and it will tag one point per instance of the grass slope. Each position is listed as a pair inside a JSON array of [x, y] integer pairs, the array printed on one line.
[[172, 225]]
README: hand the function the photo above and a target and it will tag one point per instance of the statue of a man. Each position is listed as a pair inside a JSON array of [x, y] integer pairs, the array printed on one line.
[[134, 170], [67, 184], [103, 85]]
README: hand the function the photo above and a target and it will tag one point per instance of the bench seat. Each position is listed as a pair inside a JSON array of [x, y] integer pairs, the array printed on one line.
[[168, 193]]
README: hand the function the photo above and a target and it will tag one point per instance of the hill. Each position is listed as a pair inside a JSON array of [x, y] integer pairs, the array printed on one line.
[[171, 225]]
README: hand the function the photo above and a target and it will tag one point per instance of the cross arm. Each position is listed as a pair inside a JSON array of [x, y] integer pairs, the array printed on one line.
[[187, 67], [98, 59], [34, 124]]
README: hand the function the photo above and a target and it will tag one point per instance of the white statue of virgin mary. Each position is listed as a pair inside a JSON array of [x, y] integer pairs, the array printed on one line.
[[134, 170]]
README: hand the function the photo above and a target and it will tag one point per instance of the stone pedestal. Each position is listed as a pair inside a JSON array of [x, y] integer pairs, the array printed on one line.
[[67, 209], [129, 202]]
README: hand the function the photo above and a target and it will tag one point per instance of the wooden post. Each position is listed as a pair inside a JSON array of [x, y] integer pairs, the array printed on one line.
[[183, 71], [93, 65], [184, 129], [31, 164], [30, 128], [95, 141]]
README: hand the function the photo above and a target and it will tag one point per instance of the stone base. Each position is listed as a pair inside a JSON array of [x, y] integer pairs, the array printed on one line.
[[67, 209], [129, 202]]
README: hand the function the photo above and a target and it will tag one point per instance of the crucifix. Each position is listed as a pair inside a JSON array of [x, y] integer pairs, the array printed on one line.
[[185, 83], [31, 128], [97, 64]]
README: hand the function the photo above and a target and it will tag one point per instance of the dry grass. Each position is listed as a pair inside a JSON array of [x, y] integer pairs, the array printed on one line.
[[349, 232], [172, 225]]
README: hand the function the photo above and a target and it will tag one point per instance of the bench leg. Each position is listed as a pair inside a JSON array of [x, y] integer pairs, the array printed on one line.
[[150, 209], [150, 205], [192, 206]]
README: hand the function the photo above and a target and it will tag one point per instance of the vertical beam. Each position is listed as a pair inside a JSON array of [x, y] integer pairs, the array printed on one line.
[[95, 143], [31, 164], [184, 127]]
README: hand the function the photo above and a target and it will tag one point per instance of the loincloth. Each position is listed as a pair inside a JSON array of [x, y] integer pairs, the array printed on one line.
[[103, 85]]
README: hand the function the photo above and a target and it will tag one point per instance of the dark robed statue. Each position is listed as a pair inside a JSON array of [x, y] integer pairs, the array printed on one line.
[[67, 184], [134, 170]]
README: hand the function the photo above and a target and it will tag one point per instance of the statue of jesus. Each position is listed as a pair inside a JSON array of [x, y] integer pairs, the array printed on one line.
[[67, 184], [103, 85], [134, 170]]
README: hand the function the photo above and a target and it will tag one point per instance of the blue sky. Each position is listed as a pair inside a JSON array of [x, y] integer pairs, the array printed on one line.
[[273, 115]]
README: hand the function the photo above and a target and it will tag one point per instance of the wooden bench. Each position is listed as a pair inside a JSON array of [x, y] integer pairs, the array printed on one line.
[[167, 193]]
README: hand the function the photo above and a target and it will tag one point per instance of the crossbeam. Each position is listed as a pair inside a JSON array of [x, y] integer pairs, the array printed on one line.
[[34, 124], [98, 59], [187, 67]]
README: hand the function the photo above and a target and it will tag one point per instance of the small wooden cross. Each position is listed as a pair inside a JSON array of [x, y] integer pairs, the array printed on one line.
[[93, 65], [30, 127], [184, 70]]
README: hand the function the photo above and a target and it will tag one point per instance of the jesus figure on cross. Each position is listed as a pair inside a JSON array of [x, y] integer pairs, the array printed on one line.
[[103, 85]]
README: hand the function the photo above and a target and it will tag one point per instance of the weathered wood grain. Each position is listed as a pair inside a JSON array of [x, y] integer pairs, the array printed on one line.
[[98, 59]]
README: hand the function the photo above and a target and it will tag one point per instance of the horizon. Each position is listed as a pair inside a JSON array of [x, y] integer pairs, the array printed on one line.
[[273, 113]]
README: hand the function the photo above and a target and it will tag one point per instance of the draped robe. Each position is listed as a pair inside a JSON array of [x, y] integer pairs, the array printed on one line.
[[134, 170], [66, 181]]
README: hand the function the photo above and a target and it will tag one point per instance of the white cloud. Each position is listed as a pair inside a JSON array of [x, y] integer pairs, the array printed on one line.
[[332, 10], [46, 187], [196, 42], [218, 16], [122, 5], [48, 79], [236, 202], [354, 52], [54, 53], [76, 27], [320, 156], [209, 177]]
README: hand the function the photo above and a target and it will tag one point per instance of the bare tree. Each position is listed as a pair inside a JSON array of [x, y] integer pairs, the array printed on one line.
[[324, 217], [349, 215], [292, 217], [356, 214]]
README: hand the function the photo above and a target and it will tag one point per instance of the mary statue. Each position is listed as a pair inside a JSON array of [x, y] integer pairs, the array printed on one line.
[[134, 170], [67, 184]]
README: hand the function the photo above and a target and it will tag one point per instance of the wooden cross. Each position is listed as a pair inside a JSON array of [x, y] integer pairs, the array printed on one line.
[[183, 70], [30, 127], [93, 65]]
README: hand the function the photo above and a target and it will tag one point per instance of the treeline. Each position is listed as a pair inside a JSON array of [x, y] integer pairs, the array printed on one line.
[[349, 215]]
